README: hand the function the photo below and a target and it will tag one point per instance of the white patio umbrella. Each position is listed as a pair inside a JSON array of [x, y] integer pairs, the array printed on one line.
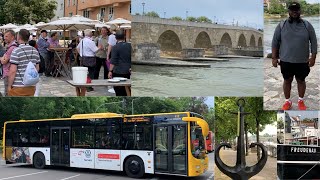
[[82, 19], [100, 25], [119, 22], [9, 26], [28, 27], [125, 26], [66, 23]]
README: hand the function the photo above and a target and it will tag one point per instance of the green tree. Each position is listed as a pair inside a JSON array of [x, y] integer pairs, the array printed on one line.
[[177, 18], [42, 10], [204, 19], [280, 124], [152, 14], [21, 11], [192, 19], [226, 121], [276, 7], [260, 117], [2, 18], [16, 12]]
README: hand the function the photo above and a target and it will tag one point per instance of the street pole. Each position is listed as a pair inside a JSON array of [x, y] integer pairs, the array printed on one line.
[[143, 4], [107, 104]]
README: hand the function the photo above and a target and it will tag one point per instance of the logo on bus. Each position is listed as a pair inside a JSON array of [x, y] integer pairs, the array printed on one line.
[[88, 153], [108, 156]]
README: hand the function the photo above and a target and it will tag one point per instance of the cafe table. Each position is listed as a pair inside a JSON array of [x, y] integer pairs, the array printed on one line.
[[81, 89], [62, 66]]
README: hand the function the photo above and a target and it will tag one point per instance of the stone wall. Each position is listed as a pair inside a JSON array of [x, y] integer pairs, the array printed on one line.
[[146, 51], [244, 52], [192, 53]]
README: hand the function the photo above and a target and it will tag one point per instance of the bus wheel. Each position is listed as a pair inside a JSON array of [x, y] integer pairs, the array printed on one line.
[[134, 167], [39, 161]]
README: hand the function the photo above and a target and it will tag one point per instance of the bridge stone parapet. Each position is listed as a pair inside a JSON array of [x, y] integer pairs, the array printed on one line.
[[153, 20], [173, 36]]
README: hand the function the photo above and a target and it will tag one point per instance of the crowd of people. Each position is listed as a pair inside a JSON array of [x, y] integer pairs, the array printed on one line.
[[108, 50]]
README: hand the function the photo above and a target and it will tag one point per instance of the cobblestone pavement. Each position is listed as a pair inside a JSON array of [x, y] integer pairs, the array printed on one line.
[[58, 87], [273, 92], [229, 158]]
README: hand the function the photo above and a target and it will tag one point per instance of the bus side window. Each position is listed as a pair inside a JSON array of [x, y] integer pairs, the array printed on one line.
[[83, 137]]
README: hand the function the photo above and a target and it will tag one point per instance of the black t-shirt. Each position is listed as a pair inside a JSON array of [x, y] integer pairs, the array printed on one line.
[[121, 58]]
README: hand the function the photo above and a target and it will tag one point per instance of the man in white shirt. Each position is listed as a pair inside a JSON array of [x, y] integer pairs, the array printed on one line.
[[87, 50], [111, 41]]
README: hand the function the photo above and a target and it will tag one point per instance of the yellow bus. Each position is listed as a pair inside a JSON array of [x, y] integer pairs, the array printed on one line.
[[164, 143]]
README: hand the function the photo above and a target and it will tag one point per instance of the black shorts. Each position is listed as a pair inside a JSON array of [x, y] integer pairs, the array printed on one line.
[[299, 70]]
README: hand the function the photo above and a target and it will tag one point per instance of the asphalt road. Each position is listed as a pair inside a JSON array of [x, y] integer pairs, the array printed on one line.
[[27, 172]]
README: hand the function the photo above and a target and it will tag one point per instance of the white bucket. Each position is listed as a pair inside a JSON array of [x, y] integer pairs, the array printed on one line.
[[79, 75]]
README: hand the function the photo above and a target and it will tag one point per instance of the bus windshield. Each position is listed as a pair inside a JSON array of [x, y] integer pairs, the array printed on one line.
[[197, 142]]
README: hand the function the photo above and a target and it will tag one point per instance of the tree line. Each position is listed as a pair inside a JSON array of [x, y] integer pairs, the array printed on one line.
[[178, 18], [306, 9], [26, 11], [12, 109]]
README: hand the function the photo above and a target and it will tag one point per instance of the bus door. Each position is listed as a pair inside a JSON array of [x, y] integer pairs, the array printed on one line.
[[170, 148], [60, 146]]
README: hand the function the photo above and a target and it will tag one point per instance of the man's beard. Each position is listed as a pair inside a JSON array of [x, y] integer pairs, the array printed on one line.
[[296, 19]]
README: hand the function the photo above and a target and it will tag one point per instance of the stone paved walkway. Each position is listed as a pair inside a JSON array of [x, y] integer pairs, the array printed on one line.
[[229, 158], [58, 87], [273, 92]]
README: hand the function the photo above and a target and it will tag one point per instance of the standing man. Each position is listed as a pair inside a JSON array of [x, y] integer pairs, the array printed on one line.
[[19, 60], [290, 44], [87, 50], [9, 38], [120, 61], [43, 47], [111, 42], [101, 55]]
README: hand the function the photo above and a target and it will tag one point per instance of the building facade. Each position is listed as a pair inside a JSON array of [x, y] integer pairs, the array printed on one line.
[[59, 12], [103, 10]]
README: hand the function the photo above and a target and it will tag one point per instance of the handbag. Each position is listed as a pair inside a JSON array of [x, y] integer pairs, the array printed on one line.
[[88, 61]]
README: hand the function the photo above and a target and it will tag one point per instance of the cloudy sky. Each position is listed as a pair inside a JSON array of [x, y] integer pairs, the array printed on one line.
[[304, 114], [246, 12], [313, 1]]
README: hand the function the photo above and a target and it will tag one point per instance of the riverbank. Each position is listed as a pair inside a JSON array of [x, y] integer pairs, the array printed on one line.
[[282, 16], [169, 62]]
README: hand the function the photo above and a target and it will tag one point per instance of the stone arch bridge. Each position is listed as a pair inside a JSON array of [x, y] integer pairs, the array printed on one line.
[[173, 37]]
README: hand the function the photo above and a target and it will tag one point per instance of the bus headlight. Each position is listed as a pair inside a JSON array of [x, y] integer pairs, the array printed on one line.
[[197, 167]]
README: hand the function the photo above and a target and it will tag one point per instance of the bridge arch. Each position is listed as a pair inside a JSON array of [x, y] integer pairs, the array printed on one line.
[[252, 41], [242, 41], [260, 42], [203, 40], [169, 41], [226, 40]]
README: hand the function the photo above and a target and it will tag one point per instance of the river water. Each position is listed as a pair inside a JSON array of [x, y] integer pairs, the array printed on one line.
[[270, 25], [237, 77]]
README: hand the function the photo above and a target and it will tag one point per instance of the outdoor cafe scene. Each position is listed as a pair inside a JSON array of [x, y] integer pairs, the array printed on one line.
[[70, 56]]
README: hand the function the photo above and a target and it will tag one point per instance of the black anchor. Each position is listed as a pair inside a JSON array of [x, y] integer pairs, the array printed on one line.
[[240, 171]]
